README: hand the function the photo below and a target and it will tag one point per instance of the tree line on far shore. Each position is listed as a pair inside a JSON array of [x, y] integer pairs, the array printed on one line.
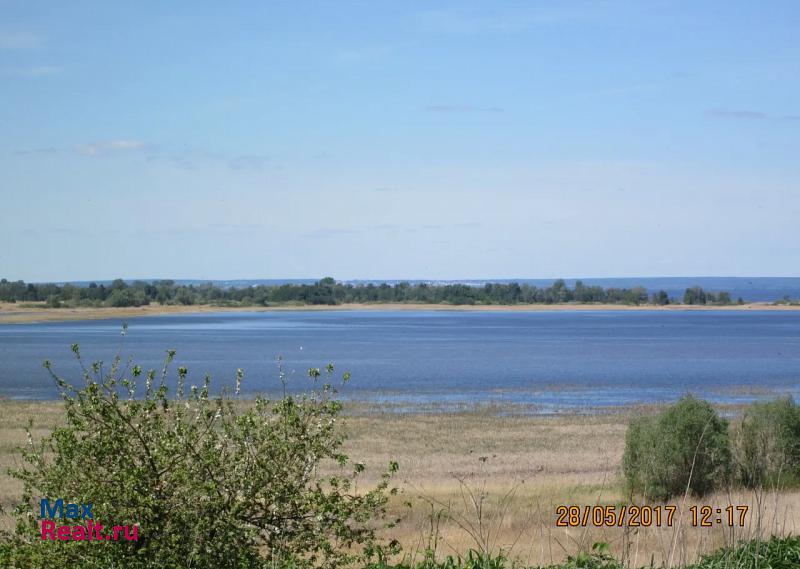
[[327, 291]]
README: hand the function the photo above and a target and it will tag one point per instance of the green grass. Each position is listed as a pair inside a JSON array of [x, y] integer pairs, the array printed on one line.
[[775, 553]]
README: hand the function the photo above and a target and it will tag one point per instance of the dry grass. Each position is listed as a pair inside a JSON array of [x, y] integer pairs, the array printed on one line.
[[532, 465], [535, 462], [14, 418]]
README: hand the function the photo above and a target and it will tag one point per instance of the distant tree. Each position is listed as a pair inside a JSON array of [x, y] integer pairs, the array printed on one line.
[[579, 292], [127, 297], [31, 293], [328, 291], [660, 298], [185, 296], [694, 295], [635, 296], [558, 292]]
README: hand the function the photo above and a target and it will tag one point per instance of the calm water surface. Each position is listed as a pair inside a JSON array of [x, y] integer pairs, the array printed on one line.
[[551, 360]]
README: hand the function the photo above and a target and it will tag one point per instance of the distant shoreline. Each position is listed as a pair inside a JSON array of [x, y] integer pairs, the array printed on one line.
[[11, 313]]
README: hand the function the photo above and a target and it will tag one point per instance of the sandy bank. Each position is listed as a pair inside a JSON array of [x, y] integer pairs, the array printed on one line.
[[11, 313]]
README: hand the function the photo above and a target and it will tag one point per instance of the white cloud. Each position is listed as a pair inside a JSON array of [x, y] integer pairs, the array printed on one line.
[[111, 147]]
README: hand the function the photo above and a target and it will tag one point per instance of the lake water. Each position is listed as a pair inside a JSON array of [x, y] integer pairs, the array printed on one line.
[[549, 361]]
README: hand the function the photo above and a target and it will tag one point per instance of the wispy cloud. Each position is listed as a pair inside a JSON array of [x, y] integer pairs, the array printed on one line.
[[466, 21], [182, 158], [622, 90], [111, 147], [461, 109], [179, 161], [248, 162], [748, 114], [192, 158], [324, 233], [238, 226], [745, 114], [18, 39], [93, 149], [68, 231], [43, 70], [382, 229], [364, 53], [46, 151], [32, 71]]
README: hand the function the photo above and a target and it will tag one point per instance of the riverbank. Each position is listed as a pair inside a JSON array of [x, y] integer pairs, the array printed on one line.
[[16, 313], [522, 466]]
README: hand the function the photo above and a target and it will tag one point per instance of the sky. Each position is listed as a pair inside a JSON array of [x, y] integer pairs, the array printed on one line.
[[440, 140]]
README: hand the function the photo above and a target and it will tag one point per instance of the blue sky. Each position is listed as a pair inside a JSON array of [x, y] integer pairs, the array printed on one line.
[[399, 139]]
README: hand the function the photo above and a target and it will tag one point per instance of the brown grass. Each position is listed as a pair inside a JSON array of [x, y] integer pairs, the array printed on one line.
[[14, 418], [536, 462], [542, 462]]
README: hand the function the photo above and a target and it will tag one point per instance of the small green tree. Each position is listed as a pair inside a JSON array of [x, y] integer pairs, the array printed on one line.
[[768, 444], [695, 295], [724, 298], [660, 298], [209, 481], [687, 447]]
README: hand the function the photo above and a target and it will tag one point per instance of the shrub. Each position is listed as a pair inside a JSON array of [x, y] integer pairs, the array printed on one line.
[[774, 553], [640, 463], [210, 482], [685, 448], [768, 444]]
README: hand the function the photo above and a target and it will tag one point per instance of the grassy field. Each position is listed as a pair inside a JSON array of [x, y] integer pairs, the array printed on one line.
[[517, 468]]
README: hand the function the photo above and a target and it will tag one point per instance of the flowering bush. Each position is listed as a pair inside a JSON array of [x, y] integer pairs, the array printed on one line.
[[209, 481]]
